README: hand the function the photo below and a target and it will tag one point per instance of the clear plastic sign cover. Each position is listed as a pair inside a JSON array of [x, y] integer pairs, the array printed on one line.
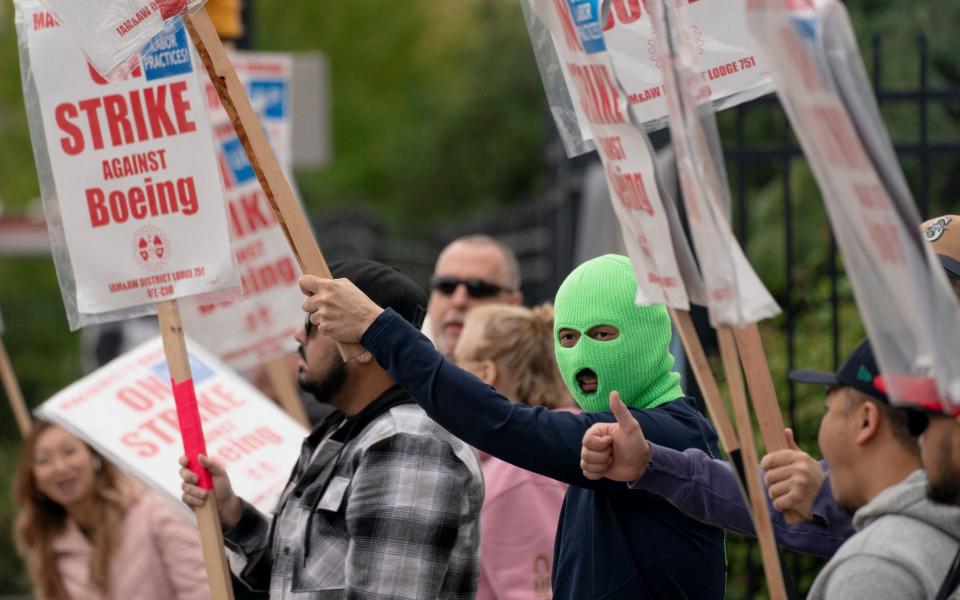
[[904, 298], [113, 32]]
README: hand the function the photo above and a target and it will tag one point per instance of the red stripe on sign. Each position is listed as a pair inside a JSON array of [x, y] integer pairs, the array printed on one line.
[[172, 8], [191, 430]]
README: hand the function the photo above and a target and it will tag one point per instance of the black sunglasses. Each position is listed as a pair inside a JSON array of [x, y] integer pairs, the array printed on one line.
[[476, 288]]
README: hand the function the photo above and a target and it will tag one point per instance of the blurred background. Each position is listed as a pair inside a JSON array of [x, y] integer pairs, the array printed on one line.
[[440, 127]]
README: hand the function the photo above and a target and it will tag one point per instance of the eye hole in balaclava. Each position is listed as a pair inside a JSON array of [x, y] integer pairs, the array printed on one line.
[[605, 342]]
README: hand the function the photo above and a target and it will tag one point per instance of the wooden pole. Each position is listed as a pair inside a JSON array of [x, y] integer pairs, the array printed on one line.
[[705, 379], [758, 494], [762, 392], [259, 152], [208, 519], [14, 394], [286, 390]]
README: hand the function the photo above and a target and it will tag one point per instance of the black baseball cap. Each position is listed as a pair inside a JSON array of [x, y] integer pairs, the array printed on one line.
[[859, 372], [386, 286]]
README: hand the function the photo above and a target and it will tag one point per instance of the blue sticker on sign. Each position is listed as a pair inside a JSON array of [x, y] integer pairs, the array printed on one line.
[[269, 97], [806, 27], [199, 370], [168, 53], [237, 160], [586, 19]]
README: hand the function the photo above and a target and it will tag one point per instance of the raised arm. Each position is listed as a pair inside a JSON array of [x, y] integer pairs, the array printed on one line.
[[539, 440]]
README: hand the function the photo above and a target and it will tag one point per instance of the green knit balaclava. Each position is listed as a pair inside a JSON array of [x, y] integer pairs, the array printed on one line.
[[638, 363]]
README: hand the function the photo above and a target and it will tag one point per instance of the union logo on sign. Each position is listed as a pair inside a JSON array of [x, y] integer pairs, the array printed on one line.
[[151, 248]]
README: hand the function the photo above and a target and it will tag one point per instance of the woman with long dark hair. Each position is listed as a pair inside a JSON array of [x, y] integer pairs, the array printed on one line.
[[86, 530]]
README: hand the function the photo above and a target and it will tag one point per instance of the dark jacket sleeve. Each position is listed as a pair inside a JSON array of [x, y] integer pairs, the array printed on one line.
[[250, 540], [707, 490], [532, 438]]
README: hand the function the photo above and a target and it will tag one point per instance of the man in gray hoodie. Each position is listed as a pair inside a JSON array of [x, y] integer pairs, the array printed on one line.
[[904, 543]]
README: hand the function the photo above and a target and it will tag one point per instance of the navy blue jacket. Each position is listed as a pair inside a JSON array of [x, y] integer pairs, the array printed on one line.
[[612, 542]]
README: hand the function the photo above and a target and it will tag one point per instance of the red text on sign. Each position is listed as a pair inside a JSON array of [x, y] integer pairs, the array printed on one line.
[[138, 203], [599, 97], [160, 112]]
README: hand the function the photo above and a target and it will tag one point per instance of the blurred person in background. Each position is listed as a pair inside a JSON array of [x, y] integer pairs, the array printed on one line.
[[511, 348], [87, 531], [471, 271]]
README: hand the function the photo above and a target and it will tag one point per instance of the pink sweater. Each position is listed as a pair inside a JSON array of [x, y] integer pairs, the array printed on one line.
[[158, 556], [518, 525]]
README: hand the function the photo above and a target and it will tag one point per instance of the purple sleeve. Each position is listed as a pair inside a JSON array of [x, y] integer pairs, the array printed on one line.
[[707, 490]]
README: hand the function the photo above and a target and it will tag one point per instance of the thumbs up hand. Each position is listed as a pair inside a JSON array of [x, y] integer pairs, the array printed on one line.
[[793, 479], [617, 451]]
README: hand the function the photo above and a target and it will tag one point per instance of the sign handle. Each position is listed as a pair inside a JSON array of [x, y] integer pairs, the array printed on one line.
[[705, 379], [758, 495], [14, 394], [208, 520], [287, 395], [259, 152]]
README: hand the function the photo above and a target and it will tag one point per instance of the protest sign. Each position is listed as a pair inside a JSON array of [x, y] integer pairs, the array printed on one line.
[[249, 131], [128, 172], [626, 155], [904, 298], [259, 327], [735, 294], [12, 388], [719, 45], [133, 200], [731, 72], [245, 431]]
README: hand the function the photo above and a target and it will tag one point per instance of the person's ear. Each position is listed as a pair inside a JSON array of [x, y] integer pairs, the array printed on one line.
[[868, 422], [489, 372], [364, 359]]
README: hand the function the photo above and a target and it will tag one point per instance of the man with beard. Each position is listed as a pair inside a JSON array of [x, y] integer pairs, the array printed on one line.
[[472, 270], [383, 503]]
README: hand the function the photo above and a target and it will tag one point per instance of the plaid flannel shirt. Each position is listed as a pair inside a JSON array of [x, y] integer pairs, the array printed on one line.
[[392, 512]]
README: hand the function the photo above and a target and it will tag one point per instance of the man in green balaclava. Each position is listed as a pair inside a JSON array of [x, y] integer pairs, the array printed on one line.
[[612, 542], [605, 344]]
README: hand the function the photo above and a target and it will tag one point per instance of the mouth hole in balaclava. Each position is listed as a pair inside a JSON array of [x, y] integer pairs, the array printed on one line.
[[587, 380]]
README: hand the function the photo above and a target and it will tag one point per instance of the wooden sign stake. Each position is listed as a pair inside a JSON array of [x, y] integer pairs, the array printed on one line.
[[208, 519], [758, 494], [14, 394], [762, 392], [259, 152], [287, 394]]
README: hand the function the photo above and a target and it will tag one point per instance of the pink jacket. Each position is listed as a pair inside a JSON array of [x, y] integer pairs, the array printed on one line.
[[518, 525], [157, 558]]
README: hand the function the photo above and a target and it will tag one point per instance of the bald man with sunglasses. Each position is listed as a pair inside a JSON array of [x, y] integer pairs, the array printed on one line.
[[471, 271]]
